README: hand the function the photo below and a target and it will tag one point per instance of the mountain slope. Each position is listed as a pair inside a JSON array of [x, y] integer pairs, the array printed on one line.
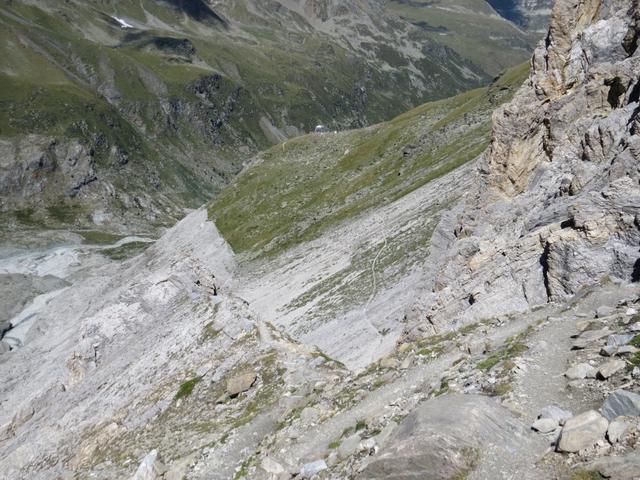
[[471, 28], [298, 190], [531, 14], [181, 362], [122, 113]]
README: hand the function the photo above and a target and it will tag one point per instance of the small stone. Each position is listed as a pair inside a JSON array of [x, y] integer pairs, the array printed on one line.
[[269, 465], [406, 363], [313, 468], [545, 425], [582, 325], [580, 371], [634, 327], [555, 413], [590, 336], [582, 431], [635, 373], [349, 446], [4, 347], [368, 445], [151, 468], [617, 429], [630, 311], [389, 362], [240, 383], [604, 311], [610, 368], [618, 340], [627, 350], [608, 350], [332, 460], [621, 403]]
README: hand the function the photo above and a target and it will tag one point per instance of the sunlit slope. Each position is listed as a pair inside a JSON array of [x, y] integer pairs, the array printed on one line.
[[297, 190]]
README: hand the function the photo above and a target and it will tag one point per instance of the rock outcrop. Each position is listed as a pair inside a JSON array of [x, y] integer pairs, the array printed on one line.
[[556, 204], [445, 438]]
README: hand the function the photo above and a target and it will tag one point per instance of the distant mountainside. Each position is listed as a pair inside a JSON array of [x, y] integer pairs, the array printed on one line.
[[122, 113], [471, 28], [531, 14]]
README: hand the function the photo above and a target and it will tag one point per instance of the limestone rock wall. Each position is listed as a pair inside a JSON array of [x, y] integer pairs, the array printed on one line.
[[556, 202]]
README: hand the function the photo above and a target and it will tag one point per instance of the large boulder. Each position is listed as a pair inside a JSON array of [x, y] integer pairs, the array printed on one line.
[[621, 468], [151, 467], [583, 431], [445, 438], [240, 383], [621, 403]]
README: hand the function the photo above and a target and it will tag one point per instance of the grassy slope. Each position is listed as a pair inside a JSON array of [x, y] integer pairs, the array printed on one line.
[[295, 191], [470, 28]]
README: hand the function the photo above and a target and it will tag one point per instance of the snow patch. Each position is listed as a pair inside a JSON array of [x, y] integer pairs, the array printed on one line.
[[123, 23]]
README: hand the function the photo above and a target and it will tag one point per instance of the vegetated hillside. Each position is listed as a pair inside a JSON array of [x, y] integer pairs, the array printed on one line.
[[531, 14], [122, 113], [295, 191], [471, 28]]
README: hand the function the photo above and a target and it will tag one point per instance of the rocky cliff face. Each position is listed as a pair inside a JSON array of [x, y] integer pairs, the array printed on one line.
[[556, 201]]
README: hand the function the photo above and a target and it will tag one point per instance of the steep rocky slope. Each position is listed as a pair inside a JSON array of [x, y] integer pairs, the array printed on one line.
[[121, 113], [505, 344], [555, 204]]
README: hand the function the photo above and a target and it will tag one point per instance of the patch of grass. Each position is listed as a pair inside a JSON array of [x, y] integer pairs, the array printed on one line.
[[488, 363], [335, 444], [347, 431], [444, 388], [633, 362], [94, 237], [64, 214], [187, 387], [126, 251], [513, 349], [210, 332], [635, 341], [26, 217], [501, 389], [360, 425]]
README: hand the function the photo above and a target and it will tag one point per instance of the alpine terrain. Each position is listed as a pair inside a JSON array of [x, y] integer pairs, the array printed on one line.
[[198, 283]]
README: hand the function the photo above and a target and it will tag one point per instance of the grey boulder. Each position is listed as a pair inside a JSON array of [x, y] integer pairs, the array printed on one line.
[[619, 340], [582, 431], [610, 368], [590, 336], [556, 413], [151, 468], [545, 425], [617, 429], [313, 468], [580, 371], [445, 438], [240, 383], [621, 403], [620, 468]]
